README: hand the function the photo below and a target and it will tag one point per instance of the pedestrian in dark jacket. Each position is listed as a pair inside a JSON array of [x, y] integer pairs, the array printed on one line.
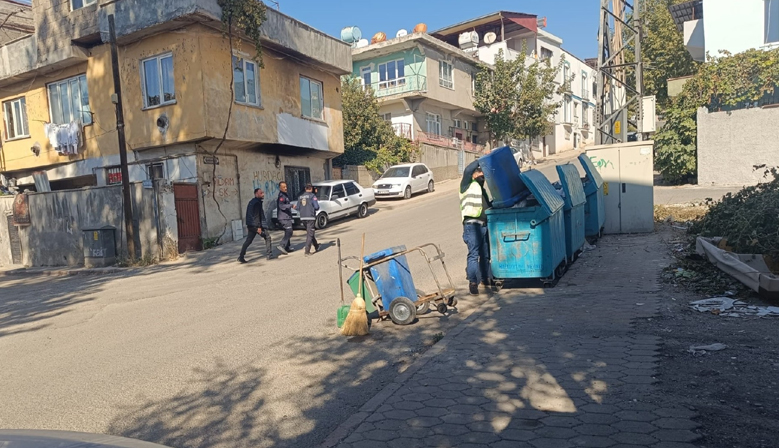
[[308, 205], [255, 223], [284, 215]]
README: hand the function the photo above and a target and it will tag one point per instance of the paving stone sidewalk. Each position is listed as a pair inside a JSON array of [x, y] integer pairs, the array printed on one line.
[[556, 368]]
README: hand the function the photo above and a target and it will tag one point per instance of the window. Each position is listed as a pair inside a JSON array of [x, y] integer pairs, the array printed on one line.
[[311, 100], [155, 171], [771, 21], [566, 76], [457, 123], [567, 109], [338, 192], [465, 125], [157, 78], [365, 75], [475, 139], [417, 171], [69, 101], [445, 75], [473, 82], [392, 74], [78, 4], [351, 189], [15, 115], [585, 94], [433, 124], [387, 116], [585, 114], [474, 127], [246, 78], [546, 54]]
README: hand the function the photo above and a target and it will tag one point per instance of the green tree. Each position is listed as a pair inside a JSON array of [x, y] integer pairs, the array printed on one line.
[[663, 51], [516, 98], [368, 139]]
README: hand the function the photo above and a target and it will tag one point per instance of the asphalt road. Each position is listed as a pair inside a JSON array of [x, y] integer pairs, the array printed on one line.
[[206, 352]]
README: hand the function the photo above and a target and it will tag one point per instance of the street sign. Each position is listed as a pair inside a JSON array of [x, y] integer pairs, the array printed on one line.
[[211, 160]]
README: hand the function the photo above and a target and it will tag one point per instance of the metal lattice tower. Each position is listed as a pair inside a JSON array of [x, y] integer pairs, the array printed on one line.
[[620, 73]]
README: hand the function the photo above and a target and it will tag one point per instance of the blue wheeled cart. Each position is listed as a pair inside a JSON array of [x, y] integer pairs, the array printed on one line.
[[595, 207], [529, 242], [388, 286], [573, 211]]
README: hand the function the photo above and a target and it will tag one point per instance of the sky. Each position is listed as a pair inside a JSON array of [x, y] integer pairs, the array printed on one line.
[[575, 21]]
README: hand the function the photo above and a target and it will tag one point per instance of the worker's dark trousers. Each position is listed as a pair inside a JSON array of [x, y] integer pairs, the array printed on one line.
[[287, 234], [310, 234], [250, 239]]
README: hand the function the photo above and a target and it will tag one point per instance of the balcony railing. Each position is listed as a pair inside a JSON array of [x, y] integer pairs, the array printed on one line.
[[449, 142], [403, 130], [406, 84], [586, 94]]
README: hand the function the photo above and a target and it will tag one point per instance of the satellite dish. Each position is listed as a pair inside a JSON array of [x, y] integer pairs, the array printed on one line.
[[401, 33], [362, 43], [490, 38]]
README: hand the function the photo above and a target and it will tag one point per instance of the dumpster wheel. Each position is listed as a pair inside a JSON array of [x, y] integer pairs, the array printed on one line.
[[402, 311]]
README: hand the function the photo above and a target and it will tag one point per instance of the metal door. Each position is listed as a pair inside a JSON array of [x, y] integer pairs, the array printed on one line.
[[606, 159], [16, 241], [188, 212], [635, 188]]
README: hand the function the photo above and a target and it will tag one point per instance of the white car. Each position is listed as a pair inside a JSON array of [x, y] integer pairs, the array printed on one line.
[[337, 199], [401, 181]]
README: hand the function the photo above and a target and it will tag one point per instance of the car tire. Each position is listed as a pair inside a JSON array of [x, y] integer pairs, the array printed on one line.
[[407, 193], [430, 187], [362, 212], [321, 221]]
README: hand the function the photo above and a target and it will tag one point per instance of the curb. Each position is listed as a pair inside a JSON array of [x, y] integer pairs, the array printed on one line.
[[60, 272], [345, 429]]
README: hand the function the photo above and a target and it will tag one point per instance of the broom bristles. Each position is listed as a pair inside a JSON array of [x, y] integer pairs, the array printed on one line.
[[356, 322]]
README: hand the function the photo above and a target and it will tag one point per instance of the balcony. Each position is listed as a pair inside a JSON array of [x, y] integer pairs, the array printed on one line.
[[449, 142], [585, 94], [399, 86], [403, 130]]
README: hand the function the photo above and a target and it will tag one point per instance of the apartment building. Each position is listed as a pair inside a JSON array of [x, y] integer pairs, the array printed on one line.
[[175, 64], [510, 32]]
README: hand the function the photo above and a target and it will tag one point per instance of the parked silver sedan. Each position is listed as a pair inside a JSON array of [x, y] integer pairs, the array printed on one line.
[[337, 199]]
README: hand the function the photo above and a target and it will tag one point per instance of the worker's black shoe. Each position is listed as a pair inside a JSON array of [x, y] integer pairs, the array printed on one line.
[[282, 250], [316, 247], [473, 288], [241, 260]]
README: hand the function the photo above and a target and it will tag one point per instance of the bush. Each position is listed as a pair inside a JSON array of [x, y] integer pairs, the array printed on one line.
[[676, 161], [747, 219]]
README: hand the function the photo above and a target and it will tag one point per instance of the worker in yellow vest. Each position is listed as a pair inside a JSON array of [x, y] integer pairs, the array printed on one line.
[[473, 203]]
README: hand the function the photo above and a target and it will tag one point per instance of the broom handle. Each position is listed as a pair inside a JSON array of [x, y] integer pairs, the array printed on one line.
[[362, 255], [340, 271]]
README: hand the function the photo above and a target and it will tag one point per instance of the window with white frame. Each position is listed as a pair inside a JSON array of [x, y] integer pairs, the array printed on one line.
[[246, 80], [433, 124], [566, 76], [15, 118], [157, 81], [311, 98], [585, 114], [387, 116], [585, 93], [391, 74], [69, 101], [78, 4], [771, 21], [457, 123], [446, 74], [567, 109], [546, 54]]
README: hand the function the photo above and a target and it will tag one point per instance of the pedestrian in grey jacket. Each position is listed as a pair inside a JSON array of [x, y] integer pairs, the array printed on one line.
[[284, 215], [308, 205]]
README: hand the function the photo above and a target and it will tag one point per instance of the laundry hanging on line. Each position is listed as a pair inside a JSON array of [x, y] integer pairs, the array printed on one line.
[[65, 138]]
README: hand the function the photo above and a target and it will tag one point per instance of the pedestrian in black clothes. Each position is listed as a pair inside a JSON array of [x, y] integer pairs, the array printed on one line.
[[255, 222], [284, 215], [308, 205]]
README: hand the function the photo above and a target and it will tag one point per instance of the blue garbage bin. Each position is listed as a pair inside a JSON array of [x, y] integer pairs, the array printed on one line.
[[595, 207], [528, 242], [392, 278], [501, 174], [573, 211]]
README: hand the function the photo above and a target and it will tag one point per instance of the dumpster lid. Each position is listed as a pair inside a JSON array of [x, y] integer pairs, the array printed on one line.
[[572, 185], [103, 227], [383, 254], [543, 190], [590, 169]]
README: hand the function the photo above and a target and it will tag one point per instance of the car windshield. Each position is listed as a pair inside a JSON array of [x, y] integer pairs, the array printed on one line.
[[396, 171], [322, 192]]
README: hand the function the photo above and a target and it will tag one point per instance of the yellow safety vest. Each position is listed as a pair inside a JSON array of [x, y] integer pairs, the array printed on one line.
[[472, 202]]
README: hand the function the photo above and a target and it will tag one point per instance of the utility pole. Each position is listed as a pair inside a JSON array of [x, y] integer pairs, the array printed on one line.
[[126, 197]]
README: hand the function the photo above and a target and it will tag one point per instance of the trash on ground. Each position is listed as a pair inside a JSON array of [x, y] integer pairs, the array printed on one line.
[[725, 306], [749, 269], [589, 247], [703, 349]]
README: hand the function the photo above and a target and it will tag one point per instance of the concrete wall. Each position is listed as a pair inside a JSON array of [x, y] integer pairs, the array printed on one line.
[[731, 143], [6, 208], [360, 174], [443, 162], [18, 21], [733, 26], [55, 237], [56, 25]]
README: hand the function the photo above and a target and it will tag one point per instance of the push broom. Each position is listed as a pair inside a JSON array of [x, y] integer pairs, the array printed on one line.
[[356, 323]]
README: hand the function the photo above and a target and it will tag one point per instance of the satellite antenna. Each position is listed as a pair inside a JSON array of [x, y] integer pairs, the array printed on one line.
[[401, 33], [490, 38]]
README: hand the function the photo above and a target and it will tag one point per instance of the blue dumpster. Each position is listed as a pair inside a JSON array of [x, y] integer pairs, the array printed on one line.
[[528, 242], [595, 207], [573, 211], [501, 174], [393, 278]]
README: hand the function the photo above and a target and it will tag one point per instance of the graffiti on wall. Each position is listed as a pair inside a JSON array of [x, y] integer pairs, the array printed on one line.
[[225, 187], [268, 180], [601, 162]]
